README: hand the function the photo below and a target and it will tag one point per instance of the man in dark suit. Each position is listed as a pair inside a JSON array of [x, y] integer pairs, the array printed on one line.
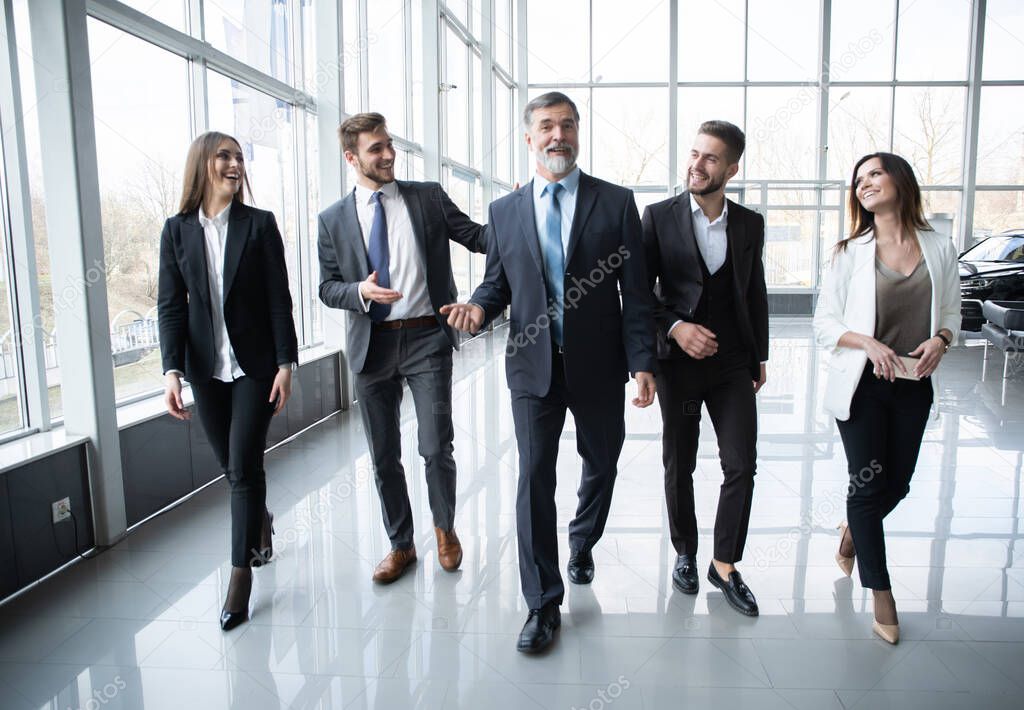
[[704, 265], [384, 257], [561, 248]]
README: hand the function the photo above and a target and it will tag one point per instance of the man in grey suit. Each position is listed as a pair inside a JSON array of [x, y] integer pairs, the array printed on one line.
[[562, 248], [384, 257]]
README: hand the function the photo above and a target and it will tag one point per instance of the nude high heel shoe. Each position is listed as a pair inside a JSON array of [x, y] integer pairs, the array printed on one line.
[[890, 633], [845, 563]]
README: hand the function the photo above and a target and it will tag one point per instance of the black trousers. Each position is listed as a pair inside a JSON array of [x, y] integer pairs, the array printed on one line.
[[236, 416], [600, 432], [723, 383], [882, 439], [421, 357]]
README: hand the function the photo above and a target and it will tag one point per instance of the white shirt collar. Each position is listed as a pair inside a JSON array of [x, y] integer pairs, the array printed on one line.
[[570, 182], [364, 194], [695, 207], [219, 220]]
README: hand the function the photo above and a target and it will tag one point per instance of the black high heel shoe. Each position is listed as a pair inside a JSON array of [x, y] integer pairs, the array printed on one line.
[[231, 619], [266, 551]]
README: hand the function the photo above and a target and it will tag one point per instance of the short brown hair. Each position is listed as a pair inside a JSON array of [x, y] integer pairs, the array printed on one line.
[[729, 134], [348, 132]]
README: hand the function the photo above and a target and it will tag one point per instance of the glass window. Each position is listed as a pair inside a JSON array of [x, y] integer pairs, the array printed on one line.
[[1004, 27], [929, 132], [476, 121], [416, 62], [995, 211], [862, 40], [33, 149], [711, 29], [265, 129], [169, 12], [506, 131], [783, 46], [456, 97], [858, 124], [458, 10], [140, 102], [788, 250], [631, 136], [352, 50], [316, 78], [503, 24], [11, 415], [312, 180], [459, 187], [782, 125], [256, 33], [558, 40], [942, 210], [630, 41], [699, 104], [933, 40], [386, 62], [1001, 136]]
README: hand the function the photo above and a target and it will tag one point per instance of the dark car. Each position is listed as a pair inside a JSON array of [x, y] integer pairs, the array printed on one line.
[[991, 270]]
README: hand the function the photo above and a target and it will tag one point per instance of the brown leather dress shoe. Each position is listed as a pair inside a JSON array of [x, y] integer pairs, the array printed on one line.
[[394, 565], [449, 549]]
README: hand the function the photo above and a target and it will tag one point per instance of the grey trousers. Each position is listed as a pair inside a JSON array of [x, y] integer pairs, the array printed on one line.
[[421, 357]]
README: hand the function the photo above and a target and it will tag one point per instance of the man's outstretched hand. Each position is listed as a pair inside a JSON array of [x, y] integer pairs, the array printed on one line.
[[467, 317]]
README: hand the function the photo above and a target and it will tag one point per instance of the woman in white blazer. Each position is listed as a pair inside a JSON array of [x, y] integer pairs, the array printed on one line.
[[888, 310]]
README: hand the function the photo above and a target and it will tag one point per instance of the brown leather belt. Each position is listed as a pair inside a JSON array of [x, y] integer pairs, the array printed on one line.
[[421, 322]]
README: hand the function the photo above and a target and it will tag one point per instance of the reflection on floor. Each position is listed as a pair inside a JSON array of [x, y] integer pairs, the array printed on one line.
[[136, 627]]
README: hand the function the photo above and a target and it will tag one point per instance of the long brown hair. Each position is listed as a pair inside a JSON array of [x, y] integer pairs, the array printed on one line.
[[197, 172], [908, 194]]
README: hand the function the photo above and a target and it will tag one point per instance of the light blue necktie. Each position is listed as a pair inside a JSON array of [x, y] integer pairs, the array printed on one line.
[[379, 256], [554, 260]]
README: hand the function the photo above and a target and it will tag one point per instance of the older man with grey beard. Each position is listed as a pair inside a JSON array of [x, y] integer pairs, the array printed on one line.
[[561, 249]]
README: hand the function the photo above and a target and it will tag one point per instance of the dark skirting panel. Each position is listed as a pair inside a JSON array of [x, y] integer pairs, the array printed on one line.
[[40, 546]]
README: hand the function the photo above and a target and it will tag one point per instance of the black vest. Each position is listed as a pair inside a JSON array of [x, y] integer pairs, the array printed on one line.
[[716, 309]]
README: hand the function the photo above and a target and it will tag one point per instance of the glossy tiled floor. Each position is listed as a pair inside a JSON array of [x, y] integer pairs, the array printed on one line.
[[136, 626]]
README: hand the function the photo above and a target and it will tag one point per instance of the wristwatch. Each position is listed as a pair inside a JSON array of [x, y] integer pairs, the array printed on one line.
[[945, 341]]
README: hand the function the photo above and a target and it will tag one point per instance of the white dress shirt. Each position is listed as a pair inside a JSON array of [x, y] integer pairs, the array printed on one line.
[[711, 237], [215, 231], [405, 265], [566, 203]]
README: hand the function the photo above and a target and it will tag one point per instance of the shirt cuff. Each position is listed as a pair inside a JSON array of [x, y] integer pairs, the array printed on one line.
[[366, 304], [179, 373], [293, 366], [668, 336]]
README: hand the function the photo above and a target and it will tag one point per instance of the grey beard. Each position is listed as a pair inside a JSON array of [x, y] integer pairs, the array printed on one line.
[[558, 164]]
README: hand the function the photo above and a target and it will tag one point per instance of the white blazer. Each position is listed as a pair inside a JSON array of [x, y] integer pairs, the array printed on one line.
[[847, 303]]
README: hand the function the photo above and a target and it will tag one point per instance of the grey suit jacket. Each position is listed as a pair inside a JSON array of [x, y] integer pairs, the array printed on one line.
[[344, 262]]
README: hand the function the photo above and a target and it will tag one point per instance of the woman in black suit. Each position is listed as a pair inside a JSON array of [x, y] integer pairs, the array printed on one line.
[[226, 326]]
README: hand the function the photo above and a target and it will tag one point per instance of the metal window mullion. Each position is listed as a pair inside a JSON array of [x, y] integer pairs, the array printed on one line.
[[27, 327], [972, 117], [488, 122], [825, 59], [523, 92], [673, 94], [407, 64], [892, 75], [364, 57], [299, 142], [433, 49]]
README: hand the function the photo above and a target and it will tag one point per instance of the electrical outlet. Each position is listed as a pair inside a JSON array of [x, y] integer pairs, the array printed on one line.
[[61, 509]]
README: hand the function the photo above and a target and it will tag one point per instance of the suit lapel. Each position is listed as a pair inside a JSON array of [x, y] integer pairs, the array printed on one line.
[[239, 225], [353, 233], [686, 246], [528, 223], [586, 196], [739, 248], [415, 207], [194, 244]]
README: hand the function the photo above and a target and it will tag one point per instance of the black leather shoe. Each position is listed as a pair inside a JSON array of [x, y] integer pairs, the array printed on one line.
[[684, 576], [231, 619], [736, 592], [581, 567], [539, 630]]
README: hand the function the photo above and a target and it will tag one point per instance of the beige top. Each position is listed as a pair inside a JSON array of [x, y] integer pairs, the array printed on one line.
[[902, 306]]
